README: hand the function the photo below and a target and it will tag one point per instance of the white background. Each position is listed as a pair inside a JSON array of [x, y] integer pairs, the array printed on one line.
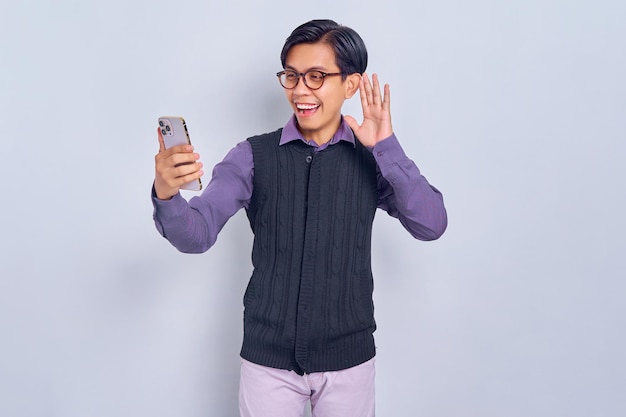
[[516, 111]]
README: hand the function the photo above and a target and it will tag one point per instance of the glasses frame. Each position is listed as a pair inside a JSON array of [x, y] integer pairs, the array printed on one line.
[[303, 76]]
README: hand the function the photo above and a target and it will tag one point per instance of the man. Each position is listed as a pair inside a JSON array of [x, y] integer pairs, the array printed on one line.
[[310, 191]]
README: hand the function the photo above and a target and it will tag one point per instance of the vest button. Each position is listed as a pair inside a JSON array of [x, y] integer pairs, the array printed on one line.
[[309, 159]]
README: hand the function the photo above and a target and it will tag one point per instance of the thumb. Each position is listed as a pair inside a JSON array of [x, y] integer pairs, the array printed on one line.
[[351, 121]]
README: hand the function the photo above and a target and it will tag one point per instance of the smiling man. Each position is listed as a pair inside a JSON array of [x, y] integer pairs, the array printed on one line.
[[310, 190]]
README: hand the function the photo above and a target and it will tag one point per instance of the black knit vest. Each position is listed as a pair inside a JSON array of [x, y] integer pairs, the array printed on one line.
[[308, 305]]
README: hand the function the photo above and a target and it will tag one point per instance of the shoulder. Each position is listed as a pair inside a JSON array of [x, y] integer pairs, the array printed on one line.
[[265, 137]]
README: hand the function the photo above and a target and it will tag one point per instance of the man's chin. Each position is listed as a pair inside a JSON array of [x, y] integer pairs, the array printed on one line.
[[305, 123]]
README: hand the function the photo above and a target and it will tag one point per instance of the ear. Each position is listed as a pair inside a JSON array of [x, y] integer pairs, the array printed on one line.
[[351, 84]]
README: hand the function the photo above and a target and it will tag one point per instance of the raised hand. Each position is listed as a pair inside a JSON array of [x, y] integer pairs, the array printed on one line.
[[174, 167], [376, 124]]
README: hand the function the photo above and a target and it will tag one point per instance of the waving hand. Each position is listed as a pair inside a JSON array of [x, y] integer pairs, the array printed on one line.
[[376, 124]]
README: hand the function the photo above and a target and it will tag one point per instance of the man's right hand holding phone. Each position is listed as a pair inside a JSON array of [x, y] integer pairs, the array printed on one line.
[[174, 167]]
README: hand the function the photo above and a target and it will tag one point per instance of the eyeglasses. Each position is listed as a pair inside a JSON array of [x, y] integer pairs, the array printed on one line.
[[313, 79]]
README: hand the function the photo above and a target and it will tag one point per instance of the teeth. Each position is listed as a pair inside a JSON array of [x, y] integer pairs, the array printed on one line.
[[306, 106]]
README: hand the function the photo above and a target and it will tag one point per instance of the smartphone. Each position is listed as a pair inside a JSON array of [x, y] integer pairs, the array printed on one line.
[[174, 131]]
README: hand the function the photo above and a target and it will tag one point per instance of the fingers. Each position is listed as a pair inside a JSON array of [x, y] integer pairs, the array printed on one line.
[[174, 172], [367, 87], [363, 91], [371, 93], [161, 141], [387, 98], [376, 91], [174, 150], [166, 161], [180, 172]]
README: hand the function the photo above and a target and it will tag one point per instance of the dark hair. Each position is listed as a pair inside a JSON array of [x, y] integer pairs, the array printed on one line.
[[349, 48]]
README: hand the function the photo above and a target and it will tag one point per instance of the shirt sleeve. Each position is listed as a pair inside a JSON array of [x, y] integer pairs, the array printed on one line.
[[192, 227], [404, 193]]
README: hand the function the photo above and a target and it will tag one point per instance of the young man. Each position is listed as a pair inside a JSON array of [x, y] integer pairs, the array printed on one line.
[[310, 191]]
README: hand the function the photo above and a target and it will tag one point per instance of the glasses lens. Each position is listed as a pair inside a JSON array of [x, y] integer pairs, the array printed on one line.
[[289, 79], [314, 79]]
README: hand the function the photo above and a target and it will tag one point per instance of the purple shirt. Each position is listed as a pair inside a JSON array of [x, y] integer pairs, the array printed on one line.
[[402, 192]]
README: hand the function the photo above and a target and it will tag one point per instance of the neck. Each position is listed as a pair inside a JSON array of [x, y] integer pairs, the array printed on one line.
[[320, 136]]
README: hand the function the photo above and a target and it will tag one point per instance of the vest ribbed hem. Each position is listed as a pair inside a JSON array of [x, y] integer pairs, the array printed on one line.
[[360, 349]]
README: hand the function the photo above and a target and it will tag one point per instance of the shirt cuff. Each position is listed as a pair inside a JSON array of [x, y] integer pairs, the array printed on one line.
[[388, 152], [168, 208]]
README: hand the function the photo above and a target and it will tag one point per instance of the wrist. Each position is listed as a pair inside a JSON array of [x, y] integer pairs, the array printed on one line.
[[161, 194]]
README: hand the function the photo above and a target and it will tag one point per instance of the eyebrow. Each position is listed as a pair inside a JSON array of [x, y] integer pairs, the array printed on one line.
[[314, 68]]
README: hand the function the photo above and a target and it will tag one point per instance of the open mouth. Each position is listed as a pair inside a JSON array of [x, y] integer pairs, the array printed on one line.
[[306, 109]]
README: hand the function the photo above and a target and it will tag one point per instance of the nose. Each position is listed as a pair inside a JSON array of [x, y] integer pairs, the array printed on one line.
[[301, 88]]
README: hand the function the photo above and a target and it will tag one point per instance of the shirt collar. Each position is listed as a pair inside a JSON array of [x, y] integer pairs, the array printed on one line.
[[290, 133]]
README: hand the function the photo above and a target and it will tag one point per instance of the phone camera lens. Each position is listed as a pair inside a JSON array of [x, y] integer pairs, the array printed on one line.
[[163, 132], [161, 123], [168, 128]]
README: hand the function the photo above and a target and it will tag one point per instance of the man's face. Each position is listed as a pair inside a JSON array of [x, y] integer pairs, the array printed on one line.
[[318, 112]]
